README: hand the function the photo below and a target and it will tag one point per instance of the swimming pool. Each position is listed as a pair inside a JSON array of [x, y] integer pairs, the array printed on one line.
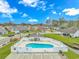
[[39, 45]]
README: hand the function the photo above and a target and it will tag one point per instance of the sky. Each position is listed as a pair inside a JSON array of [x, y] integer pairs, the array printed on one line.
[[37, 11]]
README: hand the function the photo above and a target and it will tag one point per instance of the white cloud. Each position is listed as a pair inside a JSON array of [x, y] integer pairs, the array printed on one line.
[[34, 3], [31, 3], [71, 11], [5, 8], [42, 5], [48, 18], [33, 20], [24, 15], [54, 12], [51, 6]]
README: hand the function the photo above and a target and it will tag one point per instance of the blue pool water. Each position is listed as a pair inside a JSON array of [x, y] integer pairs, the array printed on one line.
[[39, 45]]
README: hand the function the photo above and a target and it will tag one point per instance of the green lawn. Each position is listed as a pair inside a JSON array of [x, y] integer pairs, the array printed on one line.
[[64, 39], [67, 40], [5, 51], [71, 55]]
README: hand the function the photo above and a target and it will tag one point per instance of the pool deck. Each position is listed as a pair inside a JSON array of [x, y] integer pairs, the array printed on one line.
[[21, 45], [44, 40], [34, 56]]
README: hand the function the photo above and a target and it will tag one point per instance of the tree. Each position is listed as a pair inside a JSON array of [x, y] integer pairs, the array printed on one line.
[[55, 23], [77, 22], [61, 21]]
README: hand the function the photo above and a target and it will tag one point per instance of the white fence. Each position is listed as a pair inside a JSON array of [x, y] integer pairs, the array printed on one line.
[[23, 49], [57, 46]]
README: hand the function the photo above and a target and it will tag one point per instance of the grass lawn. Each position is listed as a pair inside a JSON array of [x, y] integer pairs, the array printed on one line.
[[5, 51], [64, 39], [71, 55], [67, 40]]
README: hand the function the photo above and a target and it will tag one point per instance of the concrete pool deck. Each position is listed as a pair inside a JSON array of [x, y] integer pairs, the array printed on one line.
[[34, 56], [21, 45], [25, 41]]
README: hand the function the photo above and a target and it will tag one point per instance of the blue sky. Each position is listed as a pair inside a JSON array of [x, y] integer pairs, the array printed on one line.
[[37, 11]]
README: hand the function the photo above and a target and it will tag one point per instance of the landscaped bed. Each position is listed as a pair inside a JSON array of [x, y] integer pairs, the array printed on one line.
[[67, 40]]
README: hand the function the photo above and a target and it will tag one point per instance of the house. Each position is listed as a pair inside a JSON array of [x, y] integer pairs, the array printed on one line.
[[36, 27], [10, 28], [3, 30], [21, 28], [76, 34], [73, 32], [16, 28], [30, 27], [41, 27]]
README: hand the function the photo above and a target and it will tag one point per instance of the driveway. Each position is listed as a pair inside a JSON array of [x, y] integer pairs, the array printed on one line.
[[34, 56]]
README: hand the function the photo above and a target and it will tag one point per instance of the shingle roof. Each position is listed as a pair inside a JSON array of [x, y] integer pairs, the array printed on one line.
[[69, 30], [2, 29]]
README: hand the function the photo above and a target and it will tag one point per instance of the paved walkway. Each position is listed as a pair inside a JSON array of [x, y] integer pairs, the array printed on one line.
[[34, 56]]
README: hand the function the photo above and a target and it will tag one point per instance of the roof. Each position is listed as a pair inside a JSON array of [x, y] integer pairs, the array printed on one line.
[[17, 27], [2, 29], [69, 30], [4, 38]]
